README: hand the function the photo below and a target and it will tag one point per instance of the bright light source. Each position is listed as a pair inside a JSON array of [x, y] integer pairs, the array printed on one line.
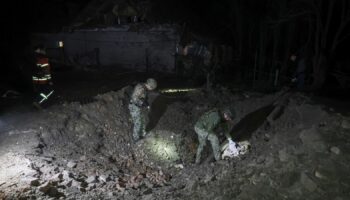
[[60, 44]]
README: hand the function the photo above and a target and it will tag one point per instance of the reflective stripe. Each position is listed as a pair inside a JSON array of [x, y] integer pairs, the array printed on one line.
[[45, 97], [42, 65], [40, 79]]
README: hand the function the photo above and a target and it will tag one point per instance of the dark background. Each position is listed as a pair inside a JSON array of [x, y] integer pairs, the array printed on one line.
[[263, 32]]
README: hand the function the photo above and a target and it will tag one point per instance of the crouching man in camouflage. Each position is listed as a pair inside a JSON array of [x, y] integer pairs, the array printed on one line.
[[205, 127], [137, 103]]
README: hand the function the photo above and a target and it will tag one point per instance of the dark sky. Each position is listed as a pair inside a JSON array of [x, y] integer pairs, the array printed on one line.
[[40, 14]]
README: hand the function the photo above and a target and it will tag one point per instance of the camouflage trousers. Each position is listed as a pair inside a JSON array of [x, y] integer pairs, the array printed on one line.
[[203, 136], [139, 128]]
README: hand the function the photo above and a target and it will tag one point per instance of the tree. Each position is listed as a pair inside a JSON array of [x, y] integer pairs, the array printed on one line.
[[328, 20]]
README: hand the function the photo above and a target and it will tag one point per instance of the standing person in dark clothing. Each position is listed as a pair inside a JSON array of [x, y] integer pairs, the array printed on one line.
[[299, 73], [42, 81]]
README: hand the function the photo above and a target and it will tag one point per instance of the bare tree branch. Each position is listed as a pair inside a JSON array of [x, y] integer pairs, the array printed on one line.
[[344, 22], [328, 21]]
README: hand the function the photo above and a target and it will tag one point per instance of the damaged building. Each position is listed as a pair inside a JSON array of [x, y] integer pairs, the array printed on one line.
[[109, 34]]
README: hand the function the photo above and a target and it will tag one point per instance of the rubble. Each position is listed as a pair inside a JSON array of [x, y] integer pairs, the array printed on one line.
[[335, 150], [86, 151], [71, 164], [345, 124]]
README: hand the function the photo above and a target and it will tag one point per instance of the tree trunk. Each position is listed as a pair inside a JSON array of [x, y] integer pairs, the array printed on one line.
[[319, 73], [239, 28], [262, 51]]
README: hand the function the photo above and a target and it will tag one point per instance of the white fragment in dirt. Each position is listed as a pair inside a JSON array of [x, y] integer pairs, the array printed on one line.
[[91, 179], [75, 183], [111, 194], [102, 178], [67, 176], [267, 136], [335, 150], [179, 166], [57, 177], [71, 164], [320, 175], [82, 158]]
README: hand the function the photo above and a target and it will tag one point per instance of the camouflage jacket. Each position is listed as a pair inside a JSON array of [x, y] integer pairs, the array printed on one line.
[[139, 95], [211, 121]]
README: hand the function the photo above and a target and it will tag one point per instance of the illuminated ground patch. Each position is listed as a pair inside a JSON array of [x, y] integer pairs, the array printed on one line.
[[161, 147]]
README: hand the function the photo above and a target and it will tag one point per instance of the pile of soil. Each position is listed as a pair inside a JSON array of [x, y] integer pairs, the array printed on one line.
[[82, 151]]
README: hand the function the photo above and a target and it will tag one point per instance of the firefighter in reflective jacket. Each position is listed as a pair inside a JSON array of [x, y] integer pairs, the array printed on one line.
[[42, 81]]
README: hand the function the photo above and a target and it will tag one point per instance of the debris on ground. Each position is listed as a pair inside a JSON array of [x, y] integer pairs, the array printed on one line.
[[86, 151]]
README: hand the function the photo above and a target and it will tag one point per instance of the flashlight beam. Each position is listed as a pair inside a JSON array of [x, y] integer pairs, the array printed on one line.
[[173, 90]]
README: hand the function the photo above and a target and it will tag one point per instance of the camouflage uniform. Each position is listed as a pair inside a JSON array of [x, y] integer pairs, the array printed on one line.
[[137, 102], [204, 128]]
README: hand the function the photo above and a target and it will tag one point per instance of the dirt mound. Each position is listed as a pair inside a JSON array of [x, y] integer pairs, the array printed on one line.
[[86, 151]]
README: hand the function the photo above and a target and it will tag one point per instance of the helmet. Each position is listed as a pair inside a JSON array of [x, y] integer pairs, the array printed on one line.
[[151, 83], [230, 112]]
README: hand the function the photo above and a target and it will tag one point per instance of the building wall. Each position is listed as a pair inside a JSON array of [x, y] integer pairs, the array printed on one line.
[[153, 49]]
